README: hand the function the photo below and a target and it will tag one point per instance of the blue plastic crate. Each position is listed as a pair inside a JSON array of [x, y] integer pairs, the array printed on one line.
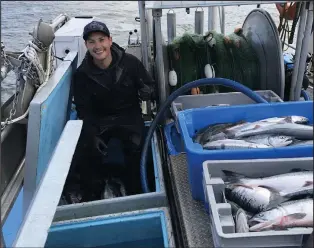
[[150, 228], [192, 120], [173, 139]]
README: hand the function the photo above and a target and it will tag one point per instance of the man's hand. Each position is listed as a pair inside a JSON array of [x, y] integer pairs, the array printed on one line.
[[146, 93], [195, 91]]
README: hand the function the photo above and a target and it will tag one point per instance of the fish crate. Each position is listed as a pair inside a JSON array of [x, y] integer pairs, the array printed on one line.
[[207, 100], [194, 119], [156, 198], [173, 139], [146, 228], [222, 223]]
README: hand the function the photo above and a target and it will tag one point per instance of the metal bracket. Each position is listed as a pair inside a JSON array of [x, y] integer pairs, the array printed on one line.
[[157, 12]]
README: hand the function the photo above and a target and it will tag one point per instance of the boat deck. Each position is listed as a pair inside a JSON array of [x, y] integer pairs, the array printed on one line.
[[194, 220]]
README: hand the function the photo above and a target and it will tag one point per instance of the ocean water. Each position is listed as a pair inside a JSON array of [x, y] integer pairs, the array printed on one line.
[[18, 19]]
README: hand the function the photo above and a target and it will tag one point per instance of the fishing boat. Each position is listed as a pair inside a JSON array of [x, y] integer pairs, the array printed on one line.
[[40, 131]]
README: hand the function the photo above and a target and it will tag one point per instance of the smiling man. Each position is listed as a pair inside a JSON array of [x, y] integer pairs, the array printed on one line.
[[107, 90]]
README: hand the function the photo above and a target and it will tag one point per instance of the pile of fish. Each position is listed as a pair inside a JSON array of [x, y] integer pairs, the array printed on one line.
[[114, 187], [107, 188], [271, 203], [265, 133]]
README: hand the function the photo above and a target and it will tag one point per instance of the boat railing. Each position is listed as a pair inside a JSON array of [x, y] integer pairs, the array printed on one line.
[[45, 125], [34, 229]]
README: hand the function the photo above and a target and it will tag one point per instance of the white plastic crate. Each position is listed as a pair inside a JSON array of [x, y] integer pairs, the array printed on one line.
[[222, 223]]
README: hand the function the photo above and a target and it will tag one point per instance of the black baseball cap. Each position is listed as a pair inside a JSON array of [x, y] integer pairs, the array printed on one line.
[[95, 26]]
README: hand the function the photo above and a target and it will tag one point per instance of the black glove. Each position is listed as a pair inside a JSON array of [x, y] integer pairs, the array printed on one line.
[[146, 92], [306, 82]]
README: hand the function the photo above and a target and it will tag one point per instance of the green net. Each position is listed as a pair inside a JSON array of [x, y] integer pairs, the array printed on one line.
[[188, 56], [232, 57]]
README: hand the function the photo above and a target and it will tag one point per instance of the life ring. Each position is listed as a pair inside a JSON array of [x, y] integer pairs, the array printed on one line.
[[287, 10]]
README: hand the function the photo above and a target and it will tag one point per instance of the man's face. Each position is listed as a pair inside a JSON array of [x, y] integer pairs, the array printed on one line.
[[98, 44]]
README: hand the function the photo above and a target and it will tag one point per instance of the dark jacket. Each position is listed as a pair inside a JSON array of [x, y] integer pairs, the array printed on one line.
[[100, 94]]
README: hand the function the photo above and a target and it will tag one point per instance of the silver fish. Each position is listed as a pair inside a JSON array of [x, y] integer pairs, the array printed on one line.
[[240, 217], [231, 144], [287, 119], [113, 188], [271, 140], [232, 130], [241, 222], [211, 132], [244, 127], [283, 182], [253, 199], [217, 132], [297, 131], [286, 215], [265, 122], [303, 192]]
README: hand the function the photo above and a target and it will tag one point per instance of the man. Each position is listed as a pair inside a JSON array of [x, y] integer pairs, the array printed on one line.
[[107, 89]]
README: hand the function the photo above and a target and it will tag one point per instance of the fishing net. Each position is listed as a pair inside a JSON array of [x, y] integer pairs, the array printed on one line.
[[231, 56], [188, 56]]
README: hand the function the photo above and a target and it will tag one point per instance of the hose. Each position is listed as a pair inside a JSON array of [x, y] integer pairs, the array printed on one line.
[[305, 95], [165, 105]]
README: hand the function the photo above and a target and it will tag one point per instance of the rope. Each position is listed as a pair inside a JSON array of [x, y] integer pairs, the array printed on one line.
[[284, 30], [232, 57], [30, 53]]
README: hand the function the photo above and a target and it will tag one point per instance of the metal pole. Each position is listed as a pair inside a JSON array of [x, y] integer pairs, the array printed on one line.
[[222, 19], [149, 25], [298, 51], [171, 26], [199, 21], [304, 51], [2, 242], [144, 46], [157, 13], [2, 237], [212, 19]]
